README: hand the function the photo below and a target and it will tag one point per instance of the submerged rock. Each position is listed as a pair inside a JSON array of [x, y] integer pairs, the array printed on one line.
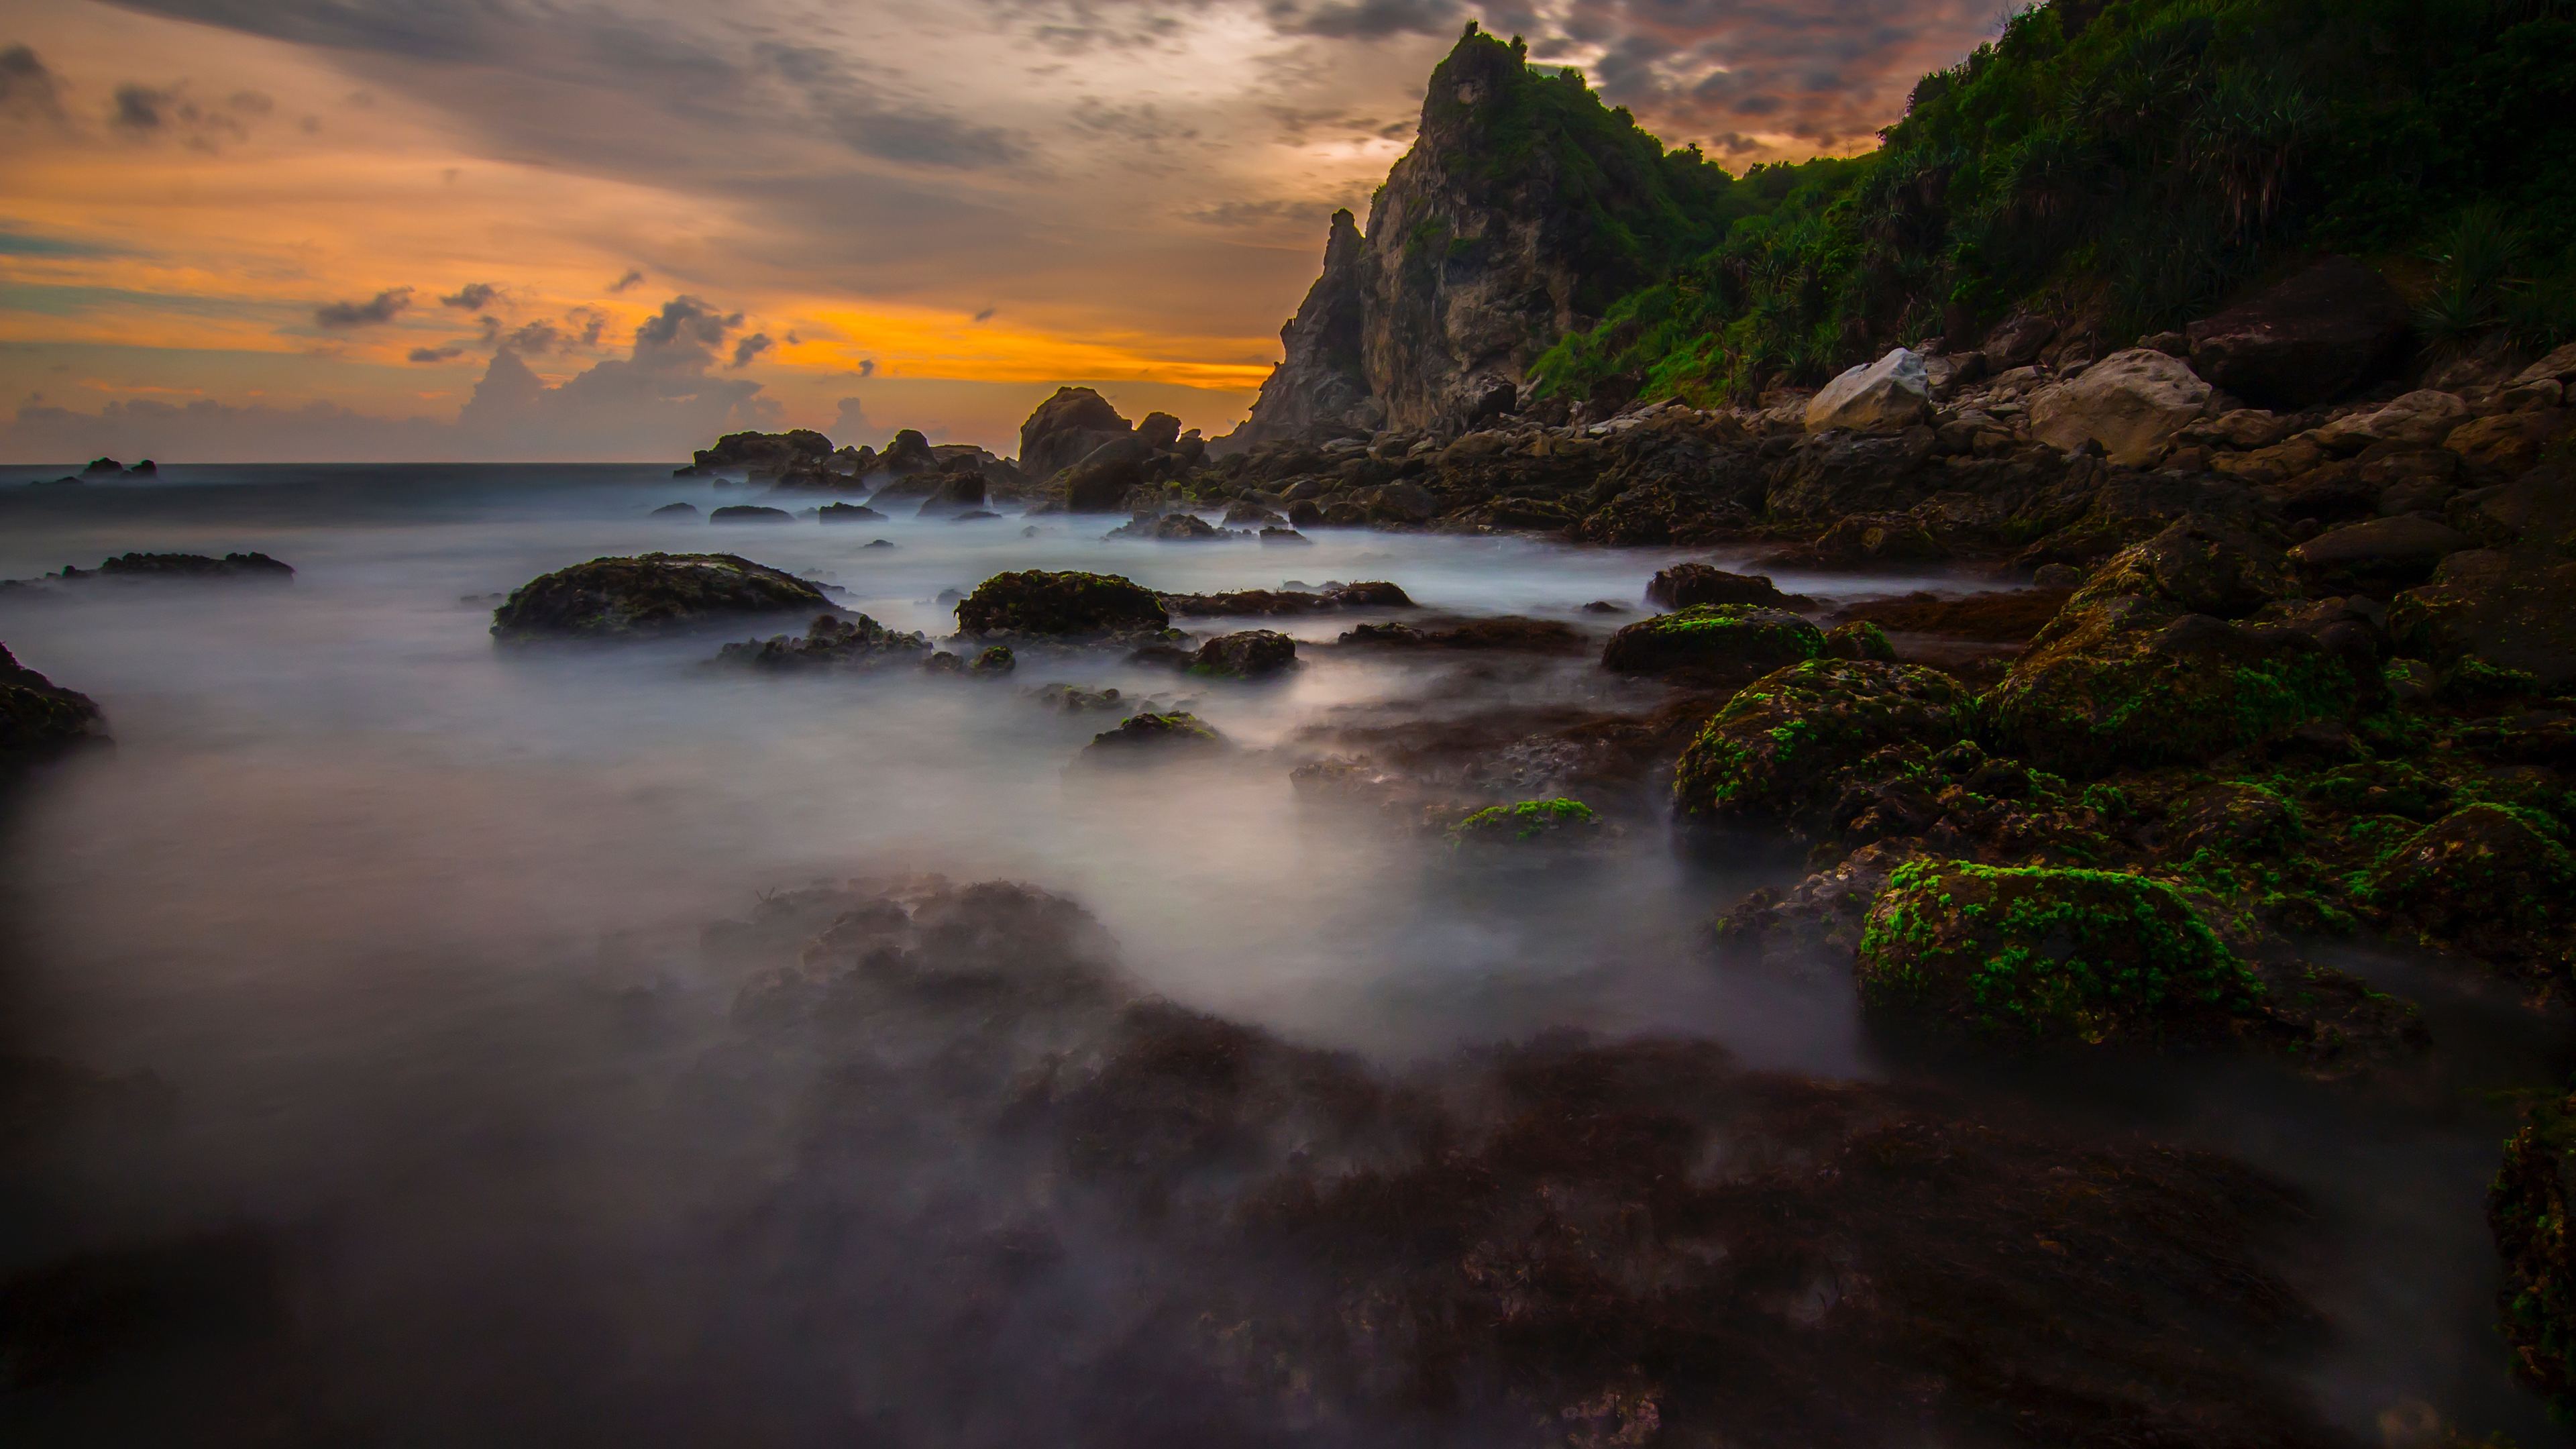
[[1530, 824], [848, 513], [675, 510], [1504, 632], [247, 566], [1293, 600], [1145, 736], [1064, 605], [830, 642], [2040, 956], [38, 716], [1685, 584], [618, 598], [1251, 654], [1718, 641], [750, 513]]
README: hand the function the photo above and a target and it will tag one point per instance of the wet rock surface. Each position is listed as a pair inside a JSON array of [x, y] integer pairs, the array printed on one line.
[[39, 717], [654, 593], [1061, 605]]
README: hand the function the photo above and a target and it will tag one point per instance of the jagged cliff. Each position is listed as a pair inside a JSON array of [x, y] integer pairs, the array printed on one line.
[[1523, 209]]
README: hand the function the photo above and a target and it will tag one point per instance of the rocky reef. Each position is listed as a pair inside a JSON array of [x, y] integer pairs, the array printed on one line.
[[654, 593], [39, 717]]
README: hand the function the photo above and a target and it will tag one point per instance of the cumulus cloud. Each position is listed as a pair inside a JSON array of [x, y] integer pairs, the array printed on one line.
[[748, 348], [473, 296], [29, 90], [850, 423], [382, 307]]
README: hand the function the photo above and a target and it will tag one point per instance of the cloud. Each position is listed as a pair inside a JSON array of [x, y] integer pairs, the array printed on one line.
[[1259, 213], [684, 328], [630, 281], [143, 113], [1372, 19], [850, 424], [28, 87], [987, 314], [537, 339], [382, 307], [867, 367], [436, 354], [473, 296], [748, 348]]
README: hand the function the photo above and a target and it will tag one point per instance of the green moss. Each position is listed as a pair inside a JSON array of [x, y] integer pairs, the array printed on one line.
[[1776, 748], [1748, 639], [2040, 955], [1528, 821]]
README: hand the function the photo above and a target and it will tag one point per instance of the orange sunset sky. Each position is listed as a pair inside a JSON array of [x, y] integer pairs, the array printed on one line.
[[285, 230]]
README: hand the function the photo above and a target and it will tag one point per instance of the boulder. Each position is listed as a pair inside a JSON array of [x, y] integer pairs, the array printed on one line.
[[1284, 536], [750, 513], [1720, 642], [2520, 616], [908, 454], [1877, 397], [2480, 875], [1150, 736], [2382, 551], [2199, 566], [848, 513], [959, 491], [2531, 1210], [2559, 367], [38, 716], [1685, 584], [2507, 445], [1774, 751], [2308, 339], [657, 593], [1251, 654], [675, 510], [2423, 416], [1067, 428], [2132, 403], [830, 642], [1099, 480], [1065, 605], [1859, 640], [2036, 956], [2134, 681], [2016, 342], [1159, 431], [769, 452]]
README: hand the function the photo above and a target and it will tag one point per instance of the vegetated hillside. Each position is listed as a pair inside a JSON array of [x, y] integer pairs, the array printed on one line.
[[2131, 164]]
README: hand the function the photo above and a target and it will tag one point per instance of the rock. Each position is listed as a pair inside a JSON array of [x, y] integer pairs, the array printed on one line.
[[2507, 444], [1067, 428], [1147, 736], [2016, 343], [1251, 515], [2381, 551], [1061, 605], [618, 598], [2531, 1215], [2037, 956], [750, 513], [2244, 429], [1883, 396], [959, 491], [2132, 403], [1775, 750], [996, 660], [1861, 640], [2559, 366], [1505, 632], [2135, 681], [1171, 528], [976, 515], [1529, 825], [830, 642], [2202, 567], [1322, 376], [2309, 339], [849, 513], [908, 454], [1251, 654], [1718, 641], [39, 717], [2231, 819], [2480, 875], [1401, 503], [675, 510], [2423, 417], [1837, 475], [1289, 536], [1685, 584], [770, 452], [256, 567], [1159, 431], [2517, 616], [98, 466], [1099, 481], [1369, 594]]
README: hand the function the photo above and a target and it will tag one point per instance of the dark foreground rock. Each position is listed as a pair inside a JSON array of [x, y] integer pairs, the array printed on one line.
[[1061, 605], [189, 566], [1721, 642], [1143, 737], [1251, 654], [832, 641], [656, 593], [2528, 1209], [1267, 602], [751, 513], [1774, 752], [1686, 584], [38, 716]]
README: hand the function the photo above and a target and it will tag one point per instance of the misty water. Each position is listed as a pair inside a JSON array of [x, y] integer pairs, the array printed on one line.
[[405, 939]]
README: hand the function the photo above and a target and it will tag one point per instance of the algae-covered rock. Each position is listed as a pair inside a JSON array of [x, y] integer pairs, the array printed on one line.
[[2199, 566], [1721, 641], [38, 716], [2038, 956], [1685, 584], [2528, 1211], [1250, 654], [1776, 747], [2479, 874], [2133, 682], [830, 642], [1145, 736], [1859, 640], [1069, 605], [2522, 617], [1530, 823], [623, 598], [996, 660], [2231, 818]]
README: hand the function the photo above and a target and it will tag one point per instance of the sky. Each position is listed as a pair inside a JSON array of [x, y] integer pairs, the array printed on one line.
[[528, 230]]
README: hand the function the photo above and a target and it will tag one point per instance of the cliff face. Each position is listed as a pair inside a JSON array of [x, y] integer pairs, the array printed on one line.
[[1522, 209]]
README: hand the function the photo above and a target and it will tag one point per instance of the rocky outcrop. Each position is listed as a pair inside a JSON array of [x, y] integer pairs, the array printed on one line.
[[771, 452], [2307, 340], [751, 513], [1523, 209], [157, 566], [1685, 584], [1881, 396], [657, 593], [1775, 752], [830, 642], [2131, 403], [39, 717], [1722, 643], [1251, 654], [1060, 605], [1067, 428]]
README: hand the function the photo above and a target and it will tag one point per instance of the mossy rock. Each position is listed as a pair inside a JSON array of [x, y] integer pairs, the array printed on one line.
[[2199, 567], [1861, 640], [1776, 748], [1148, 735], [2229, 818], [38, 716], [2482, 874], [656, 593], [2039, 956], [1719, 642], [1530, 823], [1248, 654], [830, 642], [2128, 682], [997, 659], [1067, 605], [2527, 1210]]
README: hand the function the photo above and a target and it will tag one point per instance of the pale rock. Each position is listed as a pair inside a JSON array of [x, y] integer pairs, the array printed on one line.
[[2132, 403], [1882, 396], [2423, 416]]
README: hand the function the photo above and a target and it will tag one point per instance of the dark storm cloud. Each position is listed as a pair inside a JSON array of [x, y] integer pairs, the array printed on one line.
[[382, 307], [28, 87], [473, 296], [685, 327]]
